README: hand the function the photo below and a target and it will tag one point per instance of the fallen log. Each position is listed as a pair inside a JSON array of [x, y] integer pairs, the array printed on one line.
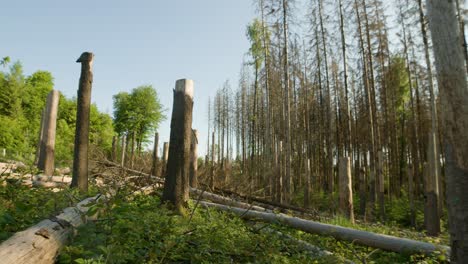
[[224, 200], [386, 242], [42, 242]]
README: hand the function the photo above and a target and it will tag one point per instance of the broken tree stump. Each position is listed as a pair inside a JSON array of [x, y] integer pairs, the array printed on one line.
[[165, 157], [176, 187], [194, 160], [346, 189], [154, 167], [47, 141], [80, 159]]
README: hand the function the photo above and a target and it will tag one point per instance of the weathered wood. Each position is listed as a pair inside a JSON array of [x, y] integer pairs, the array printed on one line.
[[307, 189], [386, 242], [212, 171], [194, 160], [165, 158], [154, 167], [80, 158], [453, 91], [431, 188], [47, 149], [42, 242], [346, 189], [225, 201], [176, 187], [41, 135], [122, 158]]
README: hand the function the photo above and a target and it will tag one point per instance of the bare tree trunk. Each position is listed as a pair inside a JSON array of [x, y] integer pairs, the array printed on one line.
[[176, 187], [307, 189], [212, 173], [346, 189], [288, 179], [451, 75], [122, 161], [41, 137], [165, 159], [154, 168], [47, 152], [80, 159], [194, 159]]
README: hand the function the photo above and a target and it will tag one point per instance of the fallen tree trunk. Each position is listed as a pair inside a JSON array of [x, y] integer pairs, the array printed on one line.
[[224, 200], [389, 243], [42, 242]]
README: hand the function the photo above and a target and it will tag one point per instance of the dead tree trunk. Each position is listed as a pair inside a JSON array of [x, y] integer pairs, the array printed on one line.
[[122, 161], [80, 159], [176, 187], [451, 76], [41, 138], [194, 159], [47, 152], [346, 189], [212, 179], [165, 157], [154, 168], [431, 211]]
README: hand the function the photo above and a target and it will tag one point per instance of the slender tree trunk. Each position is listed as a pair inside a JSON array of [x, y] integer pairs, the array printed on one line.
[[194, 159], [154, 168], [80, 159], [46, 161]]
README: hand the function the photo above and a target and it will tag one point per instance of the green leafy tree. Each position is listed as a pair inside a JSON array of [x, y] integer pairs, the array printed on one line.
[[138, 112]]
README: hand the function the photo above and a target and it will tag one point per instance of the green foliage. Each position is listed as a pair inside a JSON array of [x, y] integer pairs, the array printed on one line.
[[143, 231], [257, 48], [22, 100], [22, 206], [138, 113]]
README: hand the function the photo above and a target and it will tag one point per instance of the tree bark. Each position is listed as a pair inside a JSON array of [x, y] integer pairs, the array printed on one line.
[[346, 189], [154, 168], [194, 159], [176, 187], [451, 76], [47, 152], [386, 242], [80, 159]]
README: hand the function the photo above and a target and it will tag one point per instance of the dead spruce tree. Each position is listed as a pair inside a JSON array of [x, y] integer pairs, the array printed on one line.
[[47, 140], [80, 158], [451, 76], [176, 187]]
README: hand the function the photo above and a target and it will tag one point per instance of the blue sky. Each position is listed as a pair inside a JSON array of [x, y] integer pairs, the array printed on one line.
[[135, 43]]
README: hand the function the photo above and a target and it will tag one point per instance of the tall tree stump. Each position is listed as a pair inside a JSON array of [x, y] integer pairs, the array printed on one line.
[[154, 168], [41, 137], [47, 149], [165, 158], [212, 172], [194, 160], [176, 187], [307, 187], [346, 189], [122, 158], [80, 159]]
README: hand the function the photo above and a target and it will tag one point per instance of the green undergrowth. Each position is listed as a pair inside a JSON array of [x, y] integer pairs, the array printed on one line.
[[22, 206], [142, 230]]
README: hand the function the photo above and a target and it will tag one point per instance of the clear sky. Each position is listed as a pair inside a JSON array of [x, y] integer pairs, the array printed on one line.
[[135, 43]]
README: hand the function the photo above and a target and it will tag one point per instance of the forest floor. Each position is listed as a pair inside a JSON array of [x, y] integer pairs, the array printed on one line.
[[138, 229]]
